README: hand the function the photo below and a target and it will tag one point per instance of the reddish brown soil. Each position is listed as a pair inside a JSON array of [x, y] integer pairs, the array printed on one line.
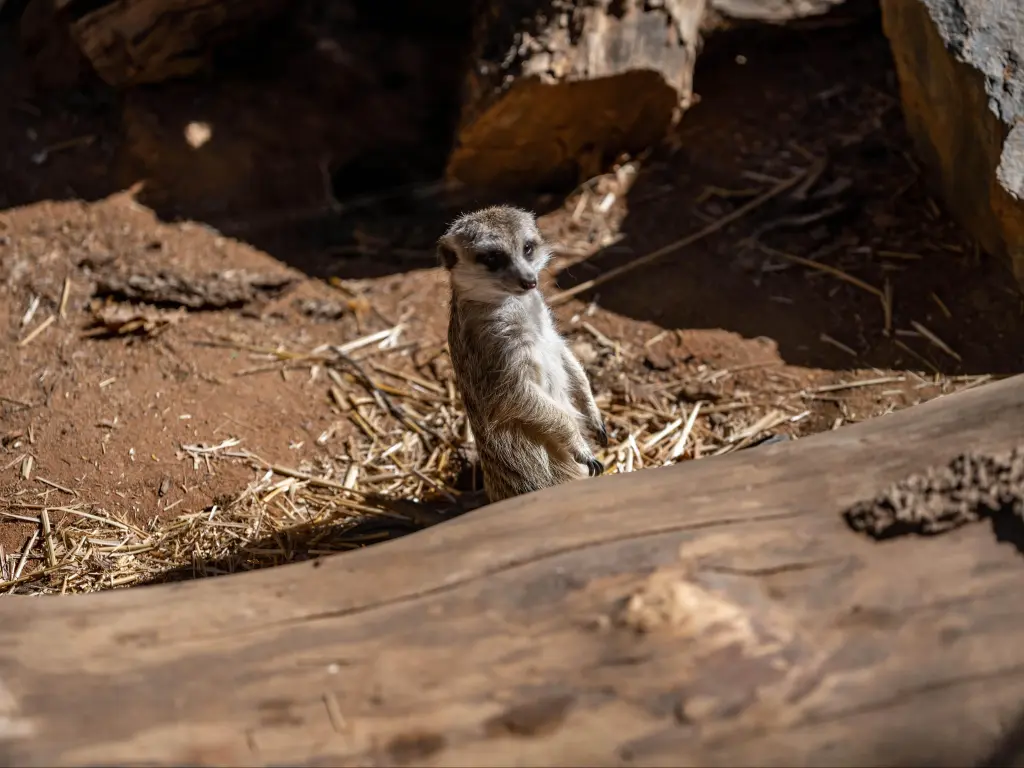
[[105, 418]]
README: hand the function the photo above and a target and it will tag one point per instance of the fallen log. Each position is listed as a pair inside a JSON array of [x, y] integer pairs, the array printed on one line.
[[716, 613], [130, 42], [555, 90]]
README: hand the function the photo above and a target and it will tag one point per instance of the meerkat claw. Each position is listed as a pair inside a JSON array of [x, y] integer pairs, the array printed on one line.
[[595, 467], [602, 435]]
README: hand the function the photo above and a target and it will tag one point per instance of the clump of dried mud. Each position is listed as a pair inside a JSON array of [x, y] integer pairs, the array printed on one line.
[[970, 487]]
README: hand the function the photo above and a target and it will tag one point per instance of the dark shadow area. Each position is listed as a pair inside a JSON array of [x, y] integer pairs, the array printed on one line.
[[1008, 528], [823, 102], [58, 142], [319, 136], [1009, 750], [394, 518]]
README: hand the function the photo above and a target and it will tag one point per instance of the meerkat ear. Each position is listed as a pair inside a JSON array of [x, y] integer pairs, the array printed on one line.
[[446, 255]]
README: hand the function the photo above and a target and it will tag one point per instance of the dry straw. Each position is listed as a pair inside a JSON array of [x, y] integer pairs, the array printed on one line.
[[398, 454]]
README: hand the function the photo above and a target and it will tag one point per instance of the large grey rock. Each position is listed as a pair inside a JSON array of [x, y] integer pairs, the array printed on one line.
[[959, 64]]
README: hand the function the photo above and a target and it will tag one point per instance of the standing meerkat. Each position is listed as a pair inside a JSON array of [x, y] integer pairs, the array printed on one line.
[[527, 397]]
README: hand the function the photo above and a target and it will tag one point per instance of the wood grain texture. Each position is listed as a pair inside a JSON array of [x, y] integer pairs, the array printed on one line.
[[716, 613], [556, 89]]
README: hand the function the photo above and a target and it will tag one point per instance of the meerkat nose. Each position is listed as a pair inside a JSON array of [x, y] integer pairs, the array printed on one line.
[[528, 283]]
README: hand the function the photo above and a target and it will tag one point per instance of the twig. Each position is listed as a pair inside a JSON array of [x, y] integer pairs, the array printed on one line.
[[365, 341], [680, 447], [231, 442], [37, 330], [936, 340], [942, 306], [44, 521], [856, 384], [19, 580], [56, 486], [25, 553], [837, 344], [64, 295], [710, 229], [601, 339], [33, 306], [834, 271], [659, 436], [744, 438], [386, 402], [887, 307], [917, 355], [797, 221]]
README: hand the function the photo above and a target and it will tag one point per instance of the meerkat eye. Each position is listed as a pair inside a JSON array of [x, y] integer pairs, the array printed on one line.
[[493, 260], [529, 248]]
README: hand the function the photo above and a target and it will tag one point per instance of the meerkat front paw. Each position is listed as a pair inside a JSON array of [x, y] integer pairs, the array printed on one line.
[[594, 467], [594, 427]]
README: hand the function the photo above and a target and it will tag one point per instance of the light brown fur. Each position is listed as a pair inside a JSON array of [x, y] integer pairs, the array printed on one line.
[[527, 397]]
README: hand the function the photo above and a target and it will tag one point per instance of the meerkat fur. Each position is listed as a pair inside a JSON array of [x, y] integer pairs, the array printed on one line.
[[527, 397]]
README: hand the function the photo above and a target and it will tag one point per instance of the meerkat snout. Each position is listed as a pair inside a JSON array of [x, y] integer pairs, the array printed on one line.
[[494, 254]]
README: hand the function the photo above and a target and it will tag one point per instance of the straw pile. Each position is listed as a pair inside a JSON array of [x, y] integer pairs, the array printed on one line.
[[409, 458], [408, 464]]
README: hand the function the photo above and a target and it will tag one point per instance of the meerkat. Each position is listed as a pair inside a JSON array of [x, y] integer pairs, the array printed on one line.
[[527, 397]]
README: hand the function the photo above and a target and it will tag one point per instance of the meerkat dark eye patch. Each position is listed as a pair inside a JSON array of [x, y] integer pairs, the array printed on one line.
[[528, 248], [493, 259]]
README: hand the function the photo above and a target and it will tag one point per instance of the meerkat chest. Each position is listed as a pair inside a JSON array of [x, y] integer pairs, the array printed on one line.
[[548, 364]]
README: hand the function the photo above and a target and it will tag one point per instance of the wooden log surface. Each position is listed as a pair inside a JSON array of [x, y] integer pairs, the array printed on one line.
[[715, 613], [555, 90]]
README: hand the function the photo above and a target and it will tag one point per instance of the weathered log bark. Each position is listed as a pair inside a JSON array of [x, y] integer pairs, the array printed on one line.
[[773, 11], [556, 89], [146, 41], [962, 86], [717, 613]]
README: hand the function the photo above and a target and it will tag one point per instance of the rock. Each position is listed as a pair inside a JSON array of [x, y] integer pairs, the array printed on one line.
[[962, 87]]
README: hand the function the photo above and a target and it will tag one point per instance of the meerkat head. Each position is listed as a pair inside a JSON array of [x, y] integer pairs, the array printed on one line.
[[493, 253]]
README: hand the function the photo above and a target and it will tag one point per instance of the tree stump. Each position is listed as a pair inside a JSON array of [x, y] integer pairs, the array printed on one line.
[[556, 90]]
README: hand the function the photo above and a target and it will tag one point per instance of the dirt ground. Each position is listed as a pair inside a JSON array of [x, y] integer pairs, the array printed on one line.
[[153, 369]]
